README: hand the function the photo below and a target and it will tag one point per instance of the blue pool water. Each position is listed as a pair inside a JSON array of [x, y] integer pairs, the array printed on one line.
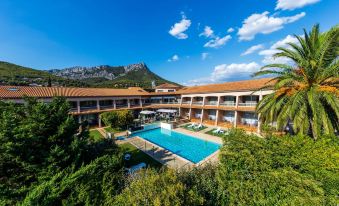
[[189, 147]]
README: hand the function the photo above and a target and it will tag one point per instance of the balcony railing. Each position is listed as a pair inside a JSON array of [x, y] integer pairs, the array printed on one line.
[[171, 103], [106, 106], [121, 105], [212, 103], [228, 104], [186, 102], [248, 104], [73, 109], [88, 108], [197, 103]]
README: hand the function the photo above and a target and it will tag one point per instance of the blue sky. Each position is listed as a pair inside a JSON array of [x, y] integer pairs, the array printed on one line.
[[186, 41]]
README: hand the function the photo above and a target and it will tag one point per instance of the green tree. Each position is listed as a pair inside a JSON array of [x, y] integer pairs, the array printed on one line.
[[39, 140], [278, 170], [305, 93], [118, 119], [152, 188], [94, 184]]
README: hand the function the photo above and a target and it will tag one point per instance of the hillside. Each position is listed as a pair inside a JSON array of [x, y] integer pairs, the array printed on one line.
[[12, 74], [98, 76]]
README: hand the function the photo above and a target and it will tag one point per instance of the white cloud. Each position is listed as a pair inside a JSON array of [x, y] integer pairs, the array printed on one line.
[[230, 30], [264, 24], [253, 49], [174, 58], [208, 32], [225, 72], [268, 53], [293, 4], [178, 29], [204, 55], [218, 42]]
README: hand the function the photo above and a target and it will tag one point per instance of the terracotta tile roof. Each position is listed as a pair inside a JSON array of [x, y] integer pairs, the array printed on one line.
[[246, 85], [13, 92], [167, 86]]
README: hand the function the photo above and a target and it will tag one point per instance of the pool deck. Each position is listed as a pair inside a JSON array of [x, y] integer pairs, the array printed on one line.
[[201, 134]]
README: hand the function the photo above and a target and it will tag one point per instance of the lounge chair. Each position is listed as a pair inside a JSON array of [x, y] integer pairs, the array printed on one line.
[[216, 131], [199, 126], [192, 125]]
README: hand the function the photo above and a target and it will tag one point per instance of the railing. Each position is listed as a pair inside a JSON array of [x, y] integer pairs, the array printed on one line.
[[197, 103], [248, 104], [228, 104], [121, 105], [212, 103], [73, 109], [88, 108], [106, 106], [187, 102], [170, 102]]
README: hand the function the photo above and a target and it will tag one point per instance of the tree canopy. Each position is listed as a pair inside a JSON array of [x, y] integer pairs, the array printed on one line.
[[306, 91]]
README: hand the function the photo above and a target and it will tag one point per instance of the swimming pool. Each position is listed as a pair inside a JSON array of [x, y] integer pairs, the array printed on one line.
[[188, 147]]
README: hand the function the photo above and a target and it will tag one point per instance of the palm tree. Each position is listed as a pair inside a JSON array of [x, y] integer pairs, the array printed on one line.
[[305, 92]]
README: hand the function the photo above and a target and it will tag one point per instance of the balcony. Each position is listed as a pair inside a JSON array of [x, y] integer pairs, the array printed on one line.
[[88, 108], [197, 103], [121, 106], [74, 109], [175, 102], [227, 104], [213, 103], [103, 107], [248, 104]]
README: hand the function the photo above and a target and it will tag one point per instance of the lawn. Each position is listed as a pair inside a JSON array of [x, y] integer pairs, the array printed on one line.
[[138, 156], [113, 130], [95, 135], [193, 128]]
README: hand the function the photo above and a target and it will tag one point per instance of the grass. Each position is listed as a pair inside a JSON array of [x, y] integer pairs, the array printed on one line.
[[138, 156], [95, 135], [192, 128], [113, 130]]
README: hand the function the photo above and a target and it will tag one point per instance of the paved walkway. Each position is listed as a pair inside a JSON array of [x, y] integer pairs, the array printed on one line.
[[200, 135]]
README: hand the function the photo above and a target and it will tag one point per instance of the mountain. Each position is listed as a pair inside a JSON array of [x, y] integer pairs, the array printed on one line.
[[112, 76], [98, 76]]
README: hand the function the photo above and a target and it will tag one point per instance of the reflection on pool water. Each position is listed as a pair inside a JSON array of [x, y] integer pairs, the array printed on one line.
[[188, 147]]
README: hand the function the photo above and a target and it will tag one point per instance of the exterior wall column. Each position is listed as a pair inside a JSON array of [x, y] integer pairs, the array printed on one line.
[[202, 115], [140, 102], [98, 105], [235, 118], [79, 119], [99, 120], [189, 113], [236, 101], [259, 121], [217, 117], [218, 102], [203, 101], [78, 106], [128, 103], [114, 104]]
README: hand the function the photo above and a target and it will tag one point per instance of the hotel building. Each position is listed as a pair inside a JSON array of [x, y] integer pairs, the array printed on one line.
[[230, 104]]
